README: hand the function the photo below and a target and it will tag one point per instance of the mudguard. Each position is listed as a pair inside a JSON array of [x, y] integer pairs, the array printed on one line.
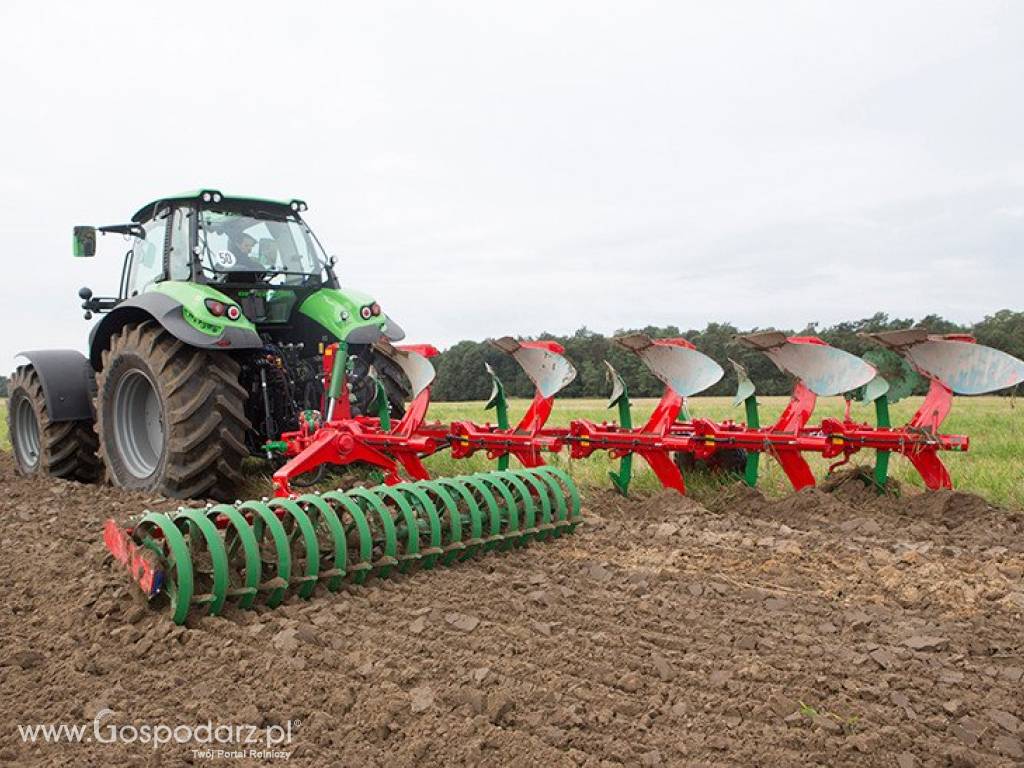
[[68, 383], [167, 311]]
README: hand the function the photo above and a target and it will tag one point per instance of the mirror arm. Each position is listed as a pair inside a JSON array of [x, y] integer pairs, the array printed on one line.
[[134, 230]]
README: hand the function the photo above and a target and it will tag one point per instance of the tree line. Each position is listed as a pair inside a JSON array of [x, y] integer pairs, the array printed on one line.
[[461, 372]]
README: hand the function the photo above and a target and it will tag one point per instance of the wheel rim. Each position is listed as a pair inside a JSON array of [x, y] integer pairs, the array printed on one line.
[[26, 433], [138, 424]]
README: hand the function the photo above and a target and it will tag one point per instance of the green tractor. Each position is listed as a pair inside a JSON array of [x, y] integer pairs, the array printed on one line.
[[213, 346]]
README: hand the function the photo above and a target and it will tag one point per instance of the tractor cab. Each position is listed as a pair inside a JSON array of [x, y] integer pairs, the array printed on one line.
[[258, 252]]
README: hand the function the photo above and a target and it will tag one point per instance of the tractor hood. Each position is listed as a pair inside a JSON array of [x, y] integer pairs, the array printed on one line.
[[349, 316]]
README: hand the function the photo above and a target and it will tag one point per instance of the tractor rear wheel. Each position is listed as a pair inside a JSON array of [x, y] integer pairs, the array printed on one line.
[[65, 449], [171, 417]]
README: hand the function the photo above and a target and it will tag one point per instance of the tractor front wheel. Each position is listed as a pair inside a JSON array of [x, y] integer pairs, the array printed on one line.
[[65, 449], [171, 417]]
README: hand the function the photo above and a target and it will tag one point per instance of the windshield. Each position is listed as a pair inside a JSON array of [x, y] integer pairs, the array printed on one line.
[[240, 247]]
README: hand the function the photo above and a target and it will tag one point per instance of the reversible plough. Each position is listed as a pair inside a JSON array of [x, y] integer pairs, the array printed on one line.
[[258, 551], [952, 364]]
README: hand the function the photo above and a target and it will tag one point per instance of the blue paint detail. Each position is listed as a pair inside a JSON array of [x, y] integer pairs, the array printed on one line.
[[158, 583]]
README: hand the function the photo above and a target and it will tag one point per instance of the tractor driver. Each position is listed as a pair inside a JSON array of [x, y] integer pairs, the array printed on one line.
[[242, 246]]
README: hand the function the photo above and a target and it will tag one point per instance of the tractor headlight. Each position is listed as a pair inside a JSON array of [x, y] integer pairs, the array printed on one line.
[[366, 312]]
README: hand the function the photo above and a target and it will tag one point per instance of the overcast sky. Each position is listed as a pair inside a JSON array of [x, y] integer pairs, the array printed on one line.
[[491, 168]]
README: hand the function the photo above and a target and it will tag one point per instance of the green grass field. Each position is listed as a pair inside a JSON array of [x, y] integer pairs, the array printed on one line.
[[994, 466]]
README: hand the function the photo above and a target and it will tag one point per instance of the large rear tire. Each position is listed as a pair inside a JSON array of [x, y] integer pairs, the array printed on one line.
[[65, 449], [171, 418]]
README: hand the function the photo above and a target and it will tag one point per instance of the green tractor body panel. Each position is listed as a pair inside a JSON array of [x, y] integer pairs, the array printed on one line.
[[193, 297], [338, 312]]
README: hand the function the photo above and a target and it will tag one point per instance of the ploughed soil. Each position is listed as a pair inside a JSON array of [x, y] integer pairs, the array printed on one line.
[[832, 627]]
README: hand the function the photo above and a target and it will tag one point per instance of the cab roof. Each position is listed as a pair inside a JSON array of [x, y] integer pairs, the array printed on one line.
[[146, 212]]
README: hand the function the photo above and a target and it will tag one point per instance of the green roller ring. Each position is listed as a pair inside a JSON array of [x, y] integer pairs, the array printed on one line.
[[518, 479], [433, 520], [511, 518], [574, 496], [558, 494], [525, 504], [250, 548], [570, 486], [218, 555], [493, 537], [337, 530], [179, 590], [476, 526], [365, 564], [390, 537], [263, 518], [305, 526], [412, 530], [543, 491], [454, 520]]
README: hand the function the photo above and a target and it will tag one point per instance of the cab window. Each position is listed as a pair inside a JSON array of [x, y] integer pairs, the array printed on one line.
[[148, 255]]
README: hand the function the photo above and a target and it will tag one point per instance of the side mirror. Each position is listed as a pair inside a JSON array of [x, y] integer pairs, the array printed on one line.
[[84, 241]]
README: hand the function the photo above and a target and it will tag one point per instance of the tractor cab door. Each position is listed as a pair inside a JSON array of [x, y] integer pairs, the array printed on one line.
[[145, 261]]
